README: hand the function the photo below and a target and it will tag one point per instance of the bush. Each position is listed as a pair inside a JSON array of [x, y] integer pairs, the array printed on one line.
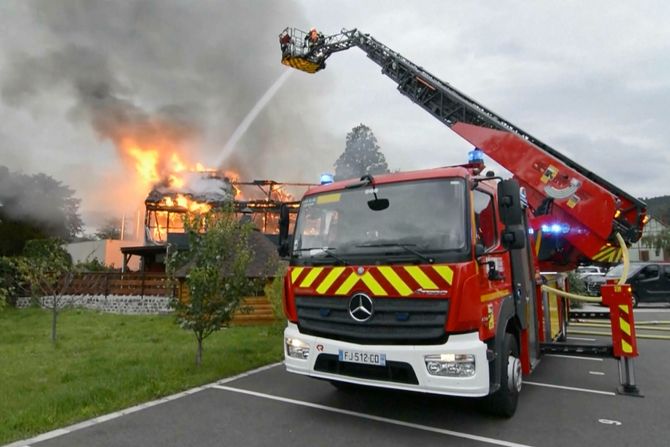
[[94, 265], [10, 282], [576, 285], [274, 292]]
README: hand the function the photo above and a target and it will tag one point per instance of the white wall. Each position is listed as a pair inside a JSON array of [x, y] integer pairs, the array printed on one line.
[[107, 252]]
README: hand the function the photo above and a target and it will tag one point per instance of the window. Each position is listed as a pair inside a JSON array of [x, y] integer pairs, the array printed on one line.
[[427, 216], [485, 219], [649, 272], [644, 255]]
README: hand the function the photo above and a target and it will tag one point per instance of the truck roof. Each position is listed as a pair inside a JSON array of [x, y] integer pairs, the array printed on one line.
[[380, 179]]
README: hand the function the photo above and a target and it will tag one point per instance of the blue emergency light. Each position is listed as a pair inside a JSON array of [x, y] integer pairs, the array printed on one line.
[[555, 228], [326, 179], [476, 156]]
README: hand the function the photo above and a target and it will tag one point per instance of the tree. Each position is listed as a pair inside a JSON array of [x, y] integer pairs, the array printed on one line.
[[10, 281], [33, 207], [14, 233], [215, 264], [110, 229], [47, 267], [361, 155], [659, 241]]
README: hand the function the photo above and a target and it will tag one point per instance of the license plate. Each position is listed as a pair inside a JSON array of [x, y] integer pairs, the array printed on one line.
[[365, 358]]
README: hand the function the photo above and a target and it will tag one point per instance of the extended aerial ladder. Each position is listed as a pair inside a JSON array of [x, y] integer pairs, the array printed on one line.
[[577, 214]]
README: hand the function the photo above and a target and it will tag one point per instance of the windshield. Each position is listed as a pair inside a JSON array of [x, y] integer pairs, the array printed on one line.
[[615, 272], [422, 218]]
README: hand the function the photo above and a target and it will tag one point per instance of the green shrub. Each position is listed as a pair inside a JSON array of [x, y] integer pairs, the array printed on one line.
[[274, 291]]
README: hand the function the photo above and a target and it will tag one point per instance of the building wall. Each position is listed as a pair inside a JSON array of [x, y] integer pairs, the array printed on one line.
[[107, 252], [639, 252]]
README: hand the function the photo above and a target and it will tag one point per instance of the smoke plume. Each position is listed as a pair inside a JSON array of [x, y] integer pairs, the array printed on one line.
[[184, 73]]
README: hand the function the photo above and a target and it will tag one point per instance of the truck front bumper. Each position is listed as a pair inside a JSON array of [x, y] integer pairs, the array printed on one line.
[[408, 355]]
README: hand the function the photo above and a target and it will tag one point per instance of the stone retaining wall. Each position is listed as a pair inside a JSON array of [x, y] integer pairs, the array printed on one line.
[[118, 304]]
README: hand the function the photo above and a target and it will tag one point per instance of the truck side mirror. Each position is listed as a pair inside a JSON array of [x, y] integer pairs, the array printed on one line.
[[283, 248], [479, 250], [513, 239], [509, 202], [511, 208]]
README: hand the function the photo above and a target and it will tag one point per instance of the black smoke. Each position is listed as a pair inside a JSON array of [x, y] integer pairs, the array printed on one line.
[[188, 71]]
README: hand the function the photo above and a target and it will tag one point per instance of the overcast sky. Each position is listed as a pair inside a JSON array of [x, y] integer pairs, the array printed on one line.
[[592, 79]]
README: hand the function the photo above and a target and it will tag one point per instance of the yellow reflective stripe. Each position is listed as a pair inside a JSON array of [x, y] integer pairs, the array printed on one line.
[[608, 253], [445, 272], [328, 198], [626, 347], [393, 279], [417, 274], [538, 242], [603, 253], [373, 285], [348, 284], [311, 276], [623, 308], [625, 327], [495, 295], [295, 273], [618, 256], [329, 279]]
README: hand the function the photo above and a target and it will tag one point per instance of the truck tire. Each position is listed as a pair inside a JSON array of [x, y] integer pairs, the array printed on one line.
[[634, 300], [504, 401]]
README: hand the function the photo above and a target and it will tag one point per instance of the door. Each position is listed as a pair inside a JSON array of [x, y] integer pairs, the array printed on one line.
[[647, 285], [665, 283], [523, 275]]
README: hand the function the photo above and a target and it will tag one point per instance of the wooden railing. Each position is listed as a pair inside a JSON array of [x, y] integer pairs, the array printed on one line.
[[258, 308], [112, 283]]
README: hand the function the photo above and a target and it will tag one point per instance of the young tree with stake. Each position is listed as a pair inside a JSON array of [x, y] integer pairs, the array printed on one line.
[[48, 268], [216, 263]]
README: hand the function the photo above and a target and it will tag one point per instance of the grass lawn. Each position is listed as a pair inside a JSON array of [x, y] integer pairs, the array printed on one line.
[[105, 362]]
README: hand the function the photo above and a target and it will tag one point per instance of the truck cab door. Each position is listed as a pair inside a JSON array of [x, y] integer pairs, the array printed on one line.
[[512, 208]]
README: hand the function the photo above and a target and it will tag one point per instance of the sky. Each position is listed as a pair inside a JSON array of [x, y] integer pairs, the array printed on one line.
[[592, 79]]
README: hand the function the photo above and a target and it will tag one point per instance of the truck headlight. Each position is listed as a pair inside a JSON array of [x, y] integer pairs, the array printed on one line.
[[296, 348], [450, 365]]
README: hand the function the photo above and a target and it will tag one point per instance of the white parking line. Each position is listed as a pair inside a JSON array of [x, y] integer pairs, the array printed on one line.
[[570, 388], [597, 373], [116, 414], [372, 417], [578, 357]]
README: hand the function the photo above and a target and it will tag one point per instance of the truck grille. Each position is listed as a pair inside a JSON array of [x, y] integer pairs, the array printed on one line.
[[398, 372], [395, 320]]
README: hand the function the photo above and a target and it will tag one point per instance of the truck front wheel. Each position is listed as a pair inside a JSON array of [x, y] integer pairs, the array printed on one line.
[[504, 401]]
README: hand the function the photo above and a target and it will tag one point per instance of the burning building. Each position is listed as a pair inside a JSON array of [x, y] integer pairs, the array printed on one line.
[[199, 191]]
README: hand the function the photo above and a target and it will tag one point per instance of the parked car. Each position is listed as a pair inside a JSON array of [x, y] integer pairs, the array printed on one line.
[[588, 270], [650, 281]]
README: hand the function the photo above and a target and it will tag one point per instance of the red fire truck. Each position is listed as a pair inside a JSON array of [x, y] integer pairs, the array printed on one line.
[[430, 280]]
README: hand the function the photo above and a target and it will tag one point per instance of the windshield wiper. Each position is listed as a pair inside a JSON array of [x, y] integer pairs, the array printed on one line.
[[326, 251], [404, 246]]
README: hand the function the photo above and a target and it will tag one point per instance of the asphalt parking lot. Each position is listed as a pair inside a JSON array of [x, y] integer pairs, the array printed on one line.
[[567, 400]]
